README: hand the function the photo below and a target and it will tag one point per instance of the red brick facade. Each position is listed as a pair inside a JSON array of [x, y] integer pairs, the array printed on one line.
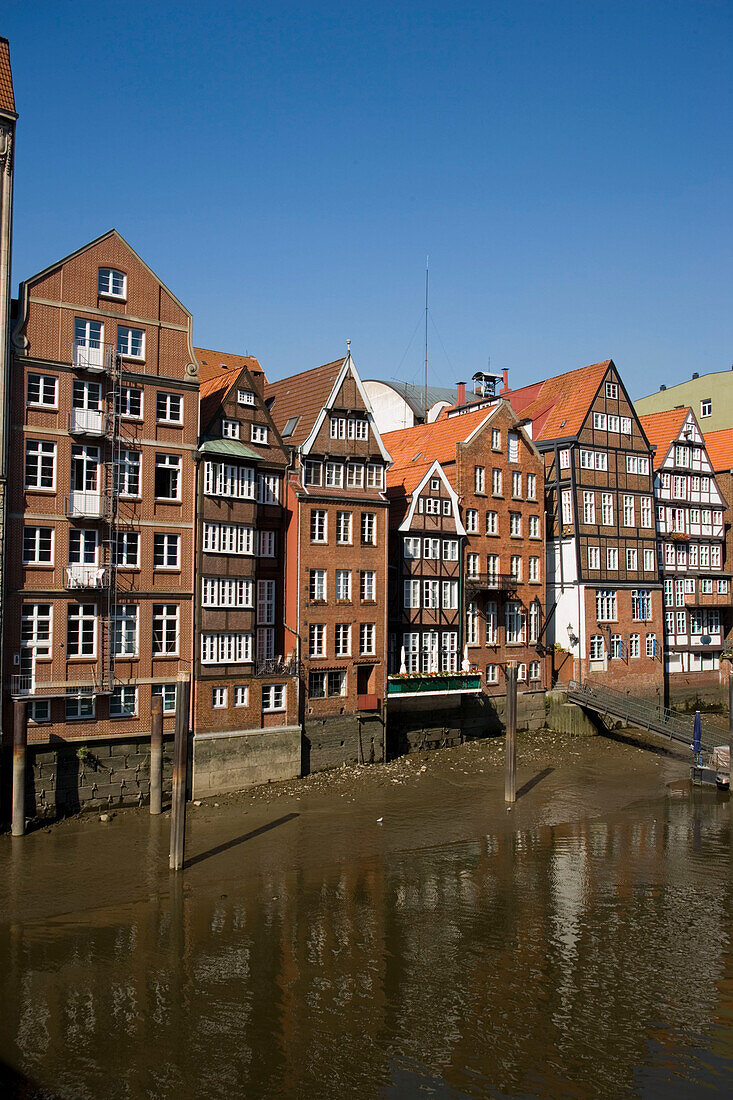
[[104, 422]]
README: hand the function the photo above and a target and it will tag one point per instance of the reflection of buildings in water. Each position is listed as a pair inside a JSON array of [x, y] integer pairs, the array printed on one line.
[[474, 959]]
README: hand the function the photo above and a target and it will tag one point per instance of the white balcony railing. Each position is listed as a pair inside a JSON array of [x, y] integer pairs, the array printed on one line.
[[86, 576], [89, 357], [86, 422], [84, 505]]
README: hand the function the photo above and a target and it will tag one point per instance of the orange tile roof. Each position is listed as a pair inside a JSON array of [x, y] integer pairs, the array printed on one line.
[[662, 428], [7, 96], [212, 364], [720, 448], [558, 406], [414, 450], [302, 395], [212, 393]]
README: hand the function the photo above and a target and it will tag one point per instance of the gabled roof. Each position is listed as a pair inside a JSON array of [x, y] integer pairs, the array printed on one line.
[[213, 364], [302, 395], [434, 470], [558, 406], [661, 429], [7, 96], [719, 446], [415, 449]]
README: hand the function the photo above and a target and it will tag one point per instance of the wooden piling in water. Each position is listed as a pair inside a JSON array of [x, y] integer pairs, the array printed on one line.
[[156, 756], [180, 768], [510, 758], [20, 744]]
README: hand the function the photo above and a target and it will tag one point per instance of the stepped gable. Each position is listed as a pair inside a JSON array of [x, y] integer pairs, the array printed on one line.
[[302, 396], [558, 406]]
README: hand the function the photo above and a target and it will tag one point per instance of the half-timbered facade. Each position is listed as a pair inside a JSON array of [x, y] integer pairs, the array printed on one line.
[[242, 682], [604, 593], [336, 558], [690, 511]]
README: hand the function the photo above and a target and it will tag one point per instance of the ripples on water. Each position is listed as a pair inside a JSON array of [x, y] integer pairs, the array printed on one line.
[[569, 961]]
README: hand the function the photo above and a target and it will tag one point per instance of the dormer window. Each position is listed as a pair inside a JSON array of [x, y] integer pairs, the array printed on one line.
[[112, 283], [230, 429]]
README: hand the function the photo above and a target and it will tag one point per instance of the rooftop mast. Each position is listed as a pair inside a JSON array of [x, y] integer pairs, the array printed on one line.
[[427, 259]]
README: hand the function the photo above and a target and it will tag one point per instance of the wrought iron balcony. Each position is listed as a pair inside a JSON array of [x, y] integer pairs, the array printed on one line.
[[276, 666], [493, 582]]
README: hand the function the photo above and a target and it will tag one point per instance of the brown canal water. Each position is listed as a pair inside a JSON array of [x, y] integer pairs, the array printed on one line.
[[577, 946]]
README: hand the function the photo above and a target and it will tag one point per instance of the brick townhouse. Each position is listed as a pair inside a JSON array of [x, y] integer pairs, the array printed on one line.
[[467, 548], [690, 511], [243, 686], [336, 559], [8, 117], [103, 432], [604, 591]]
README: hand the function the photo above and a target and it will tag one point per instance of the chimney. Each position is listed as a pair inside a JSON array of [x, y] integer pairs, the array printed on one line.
[[461, 390], [505, 380]]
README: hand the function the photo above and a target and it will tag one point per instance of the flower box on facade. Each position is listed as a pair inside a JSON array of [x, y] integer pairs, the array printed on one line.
[[414, 683]]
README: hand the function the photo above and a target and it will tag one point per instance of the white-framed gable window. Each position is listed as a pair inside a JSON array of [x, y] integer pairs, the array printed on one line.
[[130, 342], [230, 429], [612, 390], [111, 283], [246, 397], [258, 434]]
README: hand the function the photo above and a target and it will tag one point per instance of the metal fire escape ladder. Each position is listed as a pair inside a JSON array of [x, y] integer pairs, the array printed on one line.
[[112, 493]]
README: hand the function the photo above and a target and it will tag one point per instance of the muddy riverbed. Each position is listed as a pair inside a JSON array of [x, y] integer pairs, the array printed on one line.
[[383, 932]]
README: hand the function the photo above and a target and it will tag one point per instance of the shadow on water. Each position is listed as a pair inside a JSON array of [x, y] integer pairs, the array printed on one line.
[[16, 1086], [527, 787], [239, 840]]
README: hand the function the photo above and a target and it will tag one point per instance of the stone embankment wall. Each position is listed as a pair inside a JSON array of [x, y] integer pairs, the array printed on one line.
[[67, 777], [349, 739], [416, 730], [224, 762]]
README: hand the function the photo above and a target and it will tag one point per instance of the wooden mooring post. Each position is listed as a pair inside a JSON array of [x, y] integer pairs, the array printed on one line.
[[20, 744], [510, 758], [730, 725], [156, 756], [180, 769]]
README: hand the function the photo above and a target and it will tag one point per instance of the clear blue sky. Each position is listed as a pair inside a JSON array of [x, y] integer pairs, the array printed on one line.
[[286, 169]]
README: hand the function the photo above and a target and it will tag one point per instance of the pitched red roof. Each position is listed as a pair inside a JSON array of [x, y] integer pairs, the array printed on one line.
[[212, 364], [662, 428], [212, 393], [302, 395], [558, 406], [414, 450], [7, 96], [719, 446]]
